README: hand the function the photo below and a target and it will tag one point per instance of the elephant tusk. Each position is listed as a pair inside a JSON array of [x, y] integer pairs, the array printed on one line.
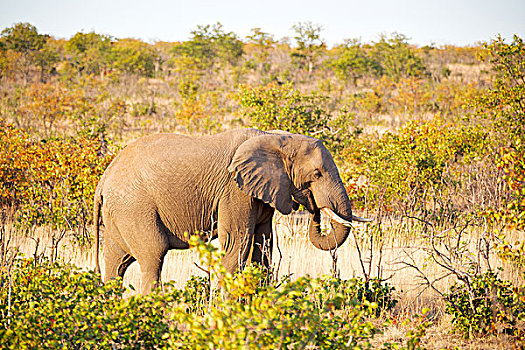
[[342, 221], [359, 219], [336, 217]]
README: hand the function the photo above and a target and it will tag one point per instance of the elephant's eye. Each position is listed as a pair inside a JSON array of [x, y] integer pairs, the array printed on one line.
[[317, 174]]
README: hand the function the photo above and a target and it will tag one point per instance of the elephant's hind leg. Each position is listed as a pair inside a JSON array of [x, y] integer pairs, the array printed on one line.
[[149, 244], [151, 268]]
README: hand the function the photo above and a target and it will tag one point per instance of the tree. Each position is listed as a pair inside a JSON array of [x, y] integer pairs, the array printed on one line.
[[28, 45], [24, 38], [262, 43], [211, 45], [48, 57], [89, 52], [397, 58], [134, 56], [354, 62], [309, 45]]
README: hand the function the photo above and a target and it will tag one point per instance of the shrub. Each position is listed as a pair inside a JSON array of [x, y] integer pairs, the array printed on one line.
[[487, 305], [53, 306], [44, 304], [503, 107], [324, 313], [45, 105], [411, 96], [357, 290], [195, 109], [354, 62], [282, 107], [196, 294], [85, 109], [409, 167], [276, 317], [49, 182]]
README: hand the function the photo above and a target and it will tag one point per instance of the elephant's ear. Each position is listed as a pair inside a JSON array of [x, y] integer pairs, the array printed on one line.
[[258, 167]]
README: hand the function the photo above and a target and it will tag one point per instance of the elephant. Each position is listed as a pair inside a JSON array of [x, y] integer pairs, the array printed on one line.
[[162, 188]]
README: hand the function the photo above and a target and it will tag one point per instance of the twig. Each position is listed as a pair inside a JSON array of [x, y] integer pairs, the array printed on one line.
[[422, 276], [359, 254], [280, 255], [202, 269], [303, 345]]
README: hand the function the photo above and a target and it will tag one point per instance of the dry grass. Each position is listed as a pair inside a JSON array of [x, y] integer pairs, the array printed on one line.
[[439, 336]]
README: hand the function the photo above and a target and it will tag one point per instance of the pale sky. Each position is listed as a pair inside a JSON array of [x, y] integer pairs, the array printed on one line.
[[457, 22]]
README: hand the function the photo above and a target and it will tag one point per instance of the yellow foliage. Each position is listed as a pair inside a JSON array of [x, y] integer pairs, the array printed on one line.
[[49, 181]]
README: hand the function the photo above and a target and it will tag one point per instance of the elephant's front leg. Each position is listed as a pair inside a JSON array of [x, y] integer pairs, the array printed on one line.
[[236, 226], [263, 244]]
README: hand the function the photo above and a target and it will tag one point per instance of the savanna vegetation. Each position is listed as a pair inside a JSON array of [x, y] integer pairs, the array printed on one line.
[[430, 142]]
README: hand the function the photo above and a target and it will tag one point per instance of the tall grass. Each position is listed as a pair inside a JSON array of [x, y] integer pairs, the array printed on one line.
[[367, 251]]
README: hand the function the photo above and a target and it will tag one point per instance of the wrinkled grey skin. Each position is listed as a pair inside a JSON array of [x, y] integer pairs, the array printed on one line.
[[227, 185]]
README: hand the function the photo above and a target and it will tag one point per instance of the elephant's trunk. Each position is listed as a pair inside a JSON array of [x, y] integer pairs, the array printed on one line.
[[340, 213], [335, 237], [337, 207]]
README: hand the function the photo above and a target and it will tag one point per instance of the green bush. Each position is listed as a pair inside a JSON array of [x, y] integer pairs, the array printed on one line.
[[357, 290], [196, 294], [354, 61], [487, 305], [413, 164], [281, 107], [324, 313], [50, 305], [391, 56], [277, 317], [397, 58]]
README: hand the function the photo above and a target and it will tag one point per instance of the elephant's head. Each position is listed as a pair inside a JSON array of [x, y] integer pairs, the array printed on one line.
[[286, 170]]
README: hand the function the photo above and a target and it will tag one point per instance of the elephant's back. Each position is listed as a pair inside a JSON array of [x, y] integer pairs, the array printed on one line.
[[159, 163], [186, 146]]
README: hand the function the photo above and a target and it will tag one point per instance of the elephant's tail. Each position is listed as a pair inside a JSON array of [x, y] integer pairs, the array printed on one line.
[[97, 204]]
